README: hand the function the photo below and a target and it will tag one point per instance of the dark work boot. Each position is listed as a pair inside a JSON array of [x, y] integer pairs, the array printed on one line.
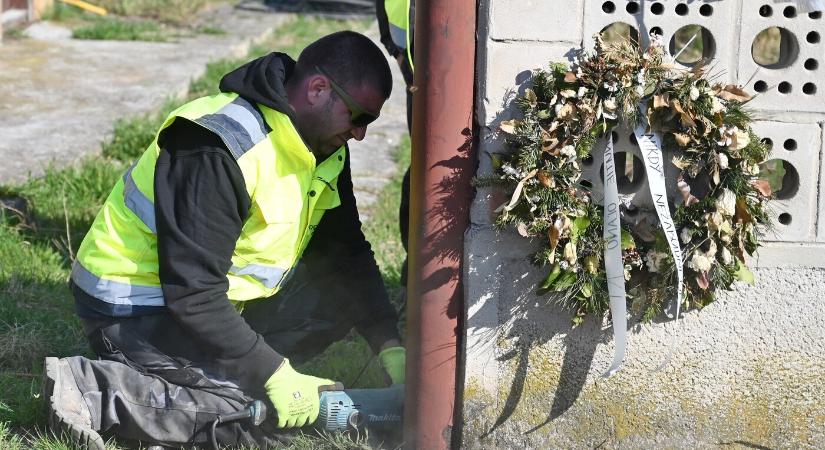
[[69, 417]]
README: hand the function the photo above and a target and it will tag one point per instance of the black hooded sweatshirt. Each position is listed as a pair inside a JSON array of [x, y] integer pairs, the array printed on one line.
[[201, 204]]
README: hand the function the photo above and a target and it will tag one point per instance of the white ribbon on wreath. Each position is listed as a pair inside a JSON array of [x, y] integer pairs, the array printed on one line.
[[613, 258], [650, 145]]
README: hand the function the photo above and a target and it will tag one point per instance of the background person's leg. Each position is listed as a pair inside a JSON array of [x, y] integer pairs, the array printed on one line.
[[404, 205], [404, 223]]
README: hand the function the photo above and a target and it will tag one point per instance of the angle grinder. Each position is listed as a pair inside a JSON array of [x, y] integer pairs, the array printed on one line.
[[379, 409]]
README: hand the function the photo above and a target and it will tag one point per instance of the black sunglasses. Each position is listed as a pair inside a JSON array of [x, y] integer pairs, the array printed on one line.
[[359, 116]]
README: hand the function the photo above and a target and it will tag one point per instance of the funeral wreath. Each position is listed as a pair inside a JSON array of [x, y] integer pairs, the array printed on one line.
[[717, 200]]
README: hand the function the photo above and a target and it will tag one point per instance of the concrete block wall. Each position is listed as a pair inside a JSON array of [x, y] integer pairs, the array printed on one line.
[[667, 17], [747, 370], [799, 84]]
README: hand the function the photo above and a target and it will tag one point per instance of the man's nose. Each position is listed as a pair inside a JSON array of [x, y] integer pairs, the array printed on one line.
[[359, 133]]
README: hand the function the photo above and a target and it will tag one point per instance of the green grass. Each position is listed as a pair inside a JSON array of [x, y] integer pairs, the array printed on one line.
[[132, 135], [62, 12], [208, 29], [114, 29], [382, 227], [167, 11], [10, 440], [36, 307], [134, 20], [13, 34]]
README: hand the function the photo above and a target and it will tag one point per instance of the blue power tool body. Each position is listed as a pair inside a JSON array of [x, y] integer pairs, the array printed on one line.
[[373, 409]]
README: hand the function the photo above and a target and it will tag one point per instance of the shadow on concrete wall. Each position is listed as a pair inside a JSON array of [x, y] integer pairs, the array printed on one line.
[[580, 345], [535, 320]]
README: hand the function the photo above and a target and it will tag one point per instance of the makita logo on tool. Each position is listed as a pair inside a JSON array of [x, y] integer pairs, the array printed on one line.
[[384, 418]]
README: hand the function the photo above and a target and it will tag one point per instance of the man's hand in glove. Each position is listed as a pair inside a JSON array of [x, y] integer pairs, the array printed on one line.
[[296, 396], [394, 360]]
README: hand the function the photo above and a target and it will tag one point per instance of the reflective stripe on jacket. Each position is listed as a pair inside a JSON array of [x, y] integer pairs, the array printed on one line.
[[118, 261], [398, 16]]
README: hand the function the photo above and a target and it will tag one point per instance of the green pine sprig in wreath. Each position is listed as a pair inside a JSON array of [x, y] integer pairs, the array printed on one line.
[[720, 199]]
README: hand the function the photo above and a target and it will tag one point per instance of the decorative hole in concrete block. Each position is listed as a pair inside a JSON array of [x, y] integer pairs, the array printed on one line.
[[630, 173], [631, 178], [786, 48], [815, 15], [765, 11], [809, 88], [692, 43], [791, 170], [768, 142], [775, 48], [618, 32], [666, 17], [782, 176], [609, 7], [785, 219]]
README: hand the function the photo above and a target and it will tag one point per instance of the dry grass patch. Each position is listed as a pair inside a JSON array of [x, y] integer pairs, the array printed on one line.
[[177, 12]]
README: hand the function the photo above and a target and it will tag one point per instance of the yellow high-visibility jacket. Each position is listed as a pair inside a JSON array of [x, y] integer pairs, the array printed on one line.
[[398, 16], [118, 260]]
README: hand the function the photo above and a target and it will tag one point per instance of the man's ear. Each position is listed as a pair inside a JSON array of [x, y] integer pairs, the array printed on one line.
[[318, 89]]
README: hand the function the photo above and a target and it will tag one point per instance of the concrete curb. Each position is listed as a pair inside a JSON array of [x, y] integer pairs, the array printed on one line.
[[60, 97]]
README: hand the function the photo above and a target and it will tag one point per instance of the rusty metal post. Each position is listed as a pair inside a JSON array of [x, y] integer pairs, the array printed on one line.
[[442, 168]]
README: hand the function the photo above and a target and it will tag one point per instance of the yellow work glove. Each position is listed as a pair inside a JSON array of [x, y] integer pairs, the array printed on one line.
[[394, 362], [296, 396]]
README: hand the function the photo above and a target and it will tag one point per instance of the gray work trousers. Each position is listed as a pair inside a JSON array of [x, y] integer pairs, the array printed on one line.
[[151, 384]]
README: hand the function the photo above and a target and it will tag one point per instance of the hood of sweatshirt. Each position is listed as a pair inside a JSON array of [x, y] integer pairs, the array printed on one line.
[[262, 81]]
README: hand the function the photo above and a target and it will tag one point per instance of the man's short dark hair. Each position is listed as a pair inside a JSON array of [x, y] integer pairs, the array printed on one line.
[[350, 58]]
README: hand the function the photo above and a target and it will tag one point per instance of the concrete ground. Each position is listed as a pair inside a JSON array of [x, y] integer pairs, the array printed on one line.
[[60, 97], [372, 159]]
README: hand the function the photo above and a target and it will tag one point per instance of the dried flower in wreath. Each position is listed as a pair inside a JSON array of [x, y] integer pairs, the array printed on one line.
[[719, 196]]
